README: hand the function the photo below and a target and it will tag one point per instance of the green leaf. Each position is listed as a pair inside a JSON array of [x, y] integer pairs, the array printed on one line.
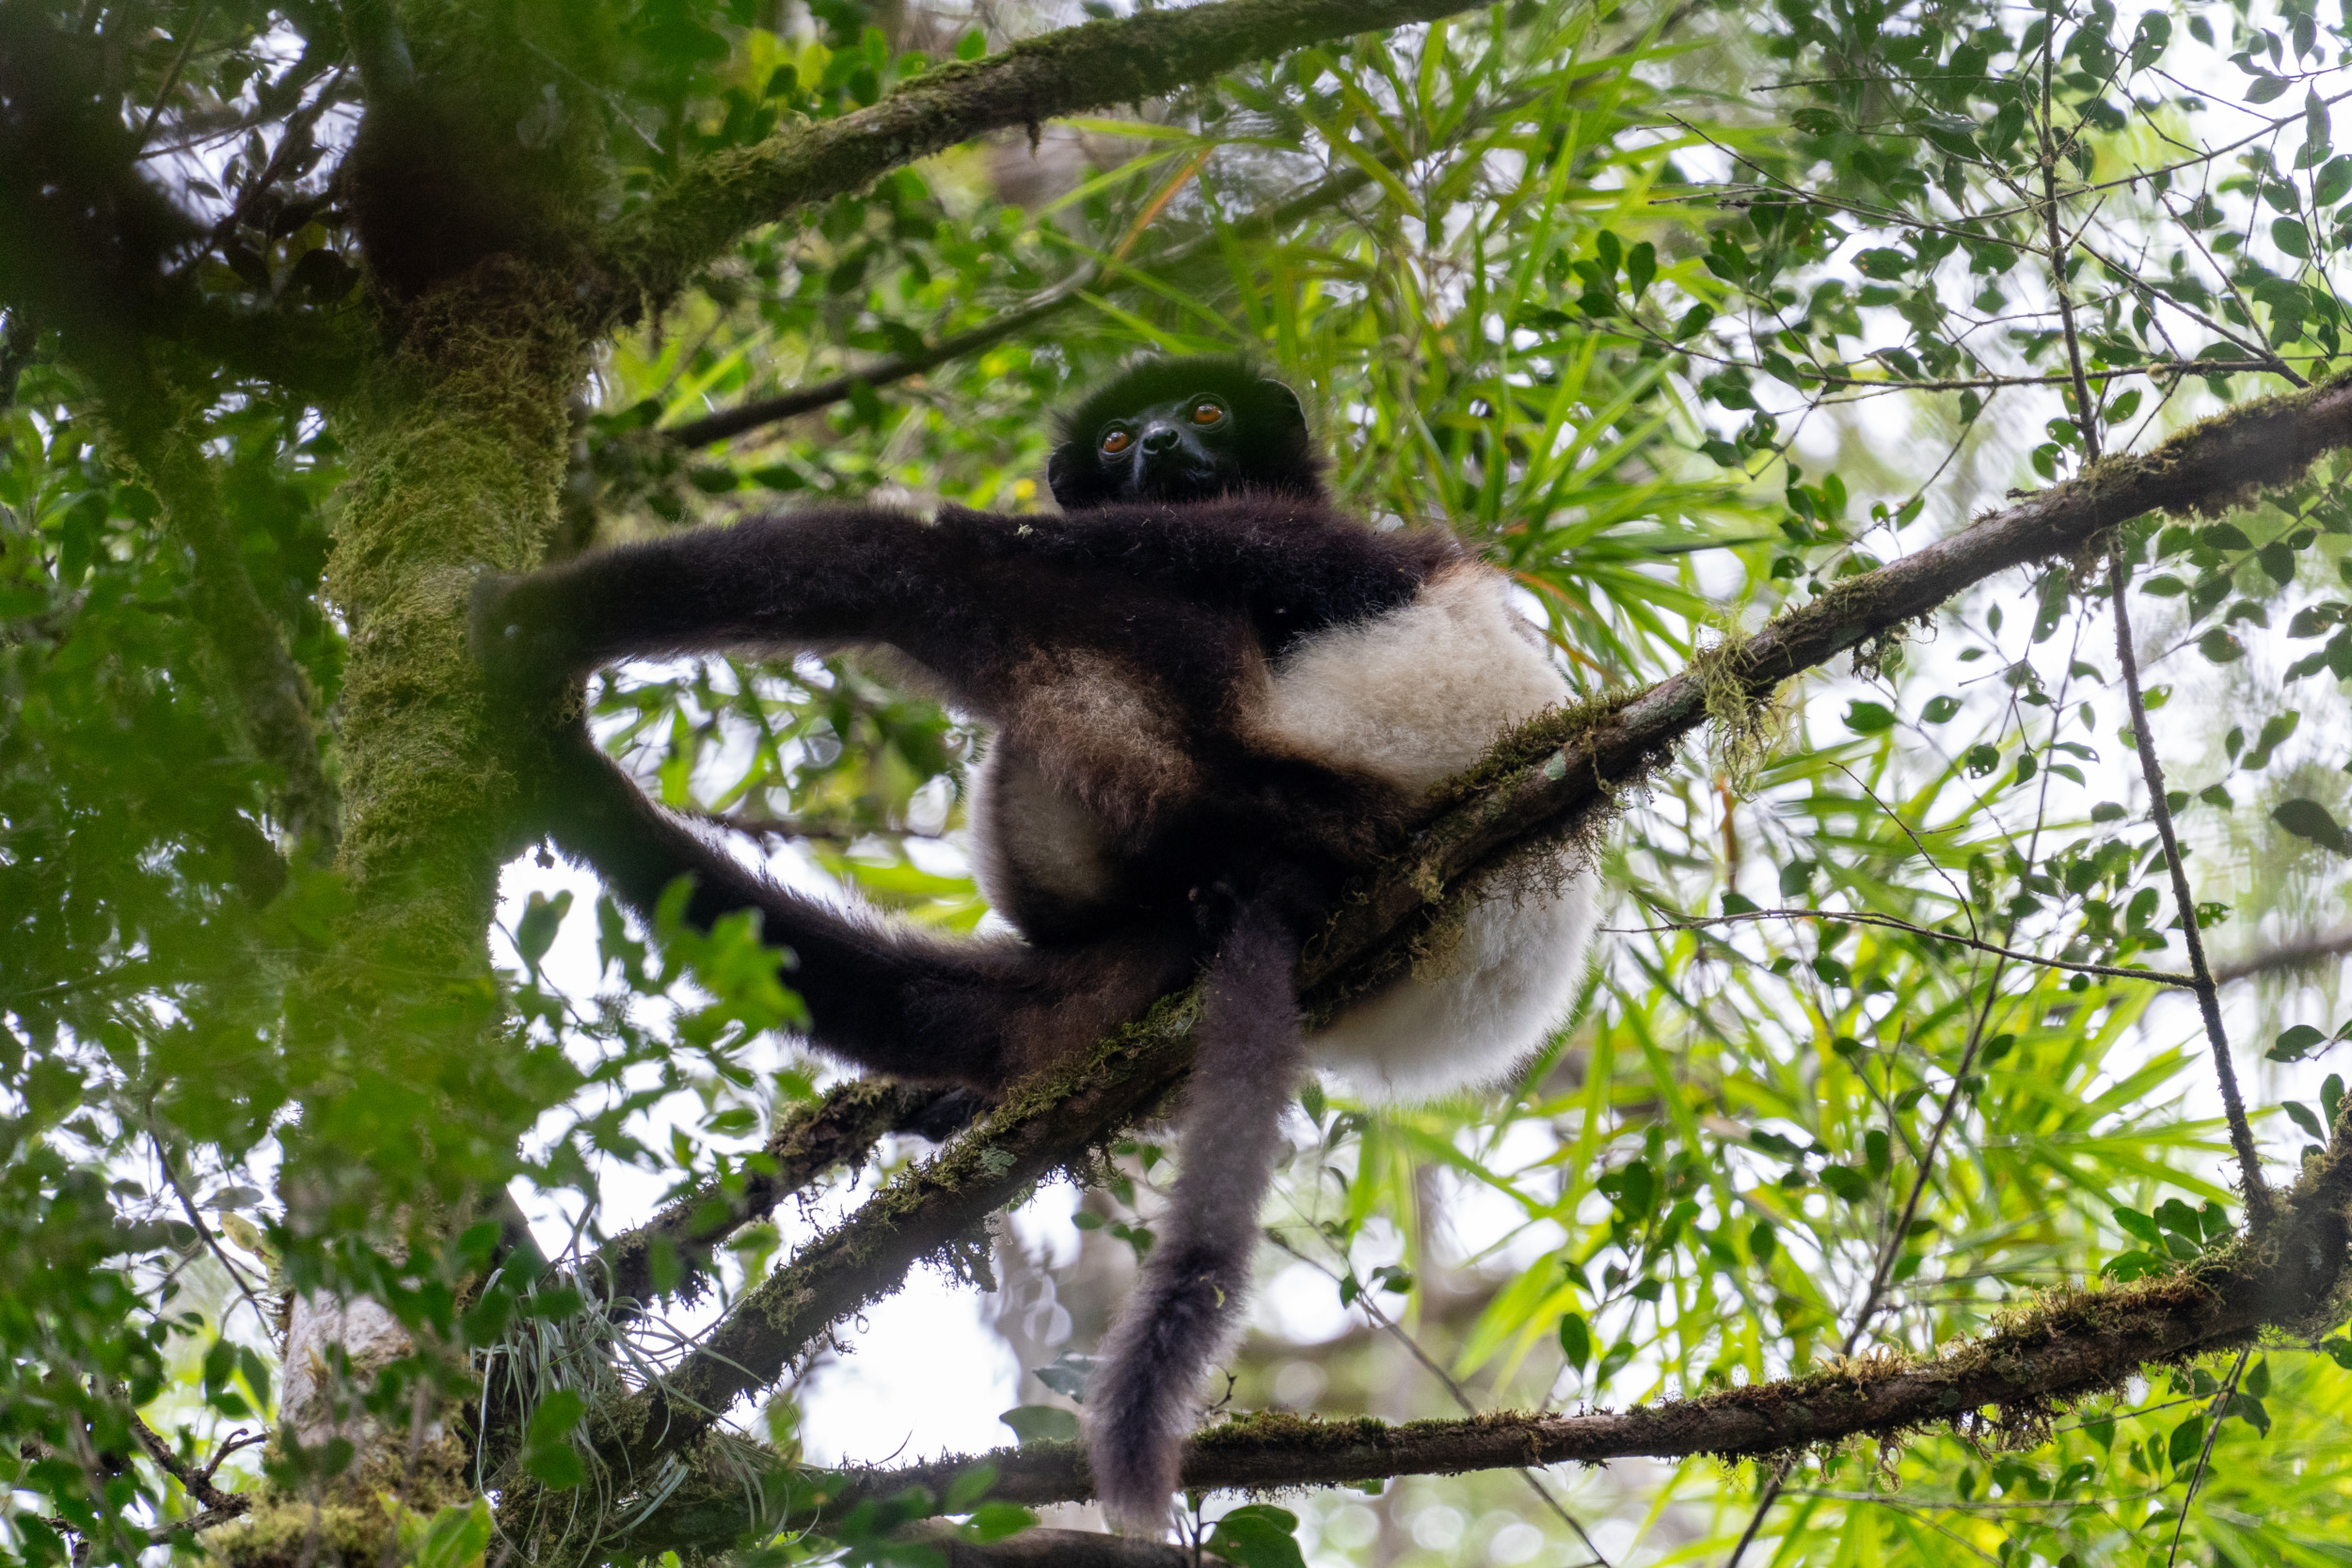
[[967, 1488], [994, 1521], [2179, 1218], [2274, 731], [1847, 1183], [535, 933], [2310, 819], [2188, 1440], [1576, 1339], [1258, 1535], [558, 1413], [2296, 1044], [1633, 1187], [2221, 647], [1641, 266], [1868, 717], [453, 1537], [556, 1465], [1066, 1376], [1040, 1423], [2301, 1115], [1883, 265], [2332, 182]]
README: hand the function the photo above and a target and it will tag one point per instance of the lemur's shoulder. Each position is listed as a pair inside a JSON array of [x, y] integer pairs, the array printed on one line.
[[1292, 563]]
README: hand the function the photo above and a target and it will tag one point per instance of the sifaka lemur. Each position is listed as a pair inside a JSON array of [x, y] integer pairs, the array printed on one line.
[[1215, 698]]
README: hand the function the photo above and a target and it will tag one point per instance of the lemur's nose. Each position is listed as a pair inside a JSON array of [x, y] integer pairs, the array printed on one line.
[[1159, 438]]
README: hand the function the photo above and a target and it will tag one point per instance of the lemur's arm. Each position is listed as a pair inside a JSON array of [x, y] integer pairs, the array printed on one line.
[[807, 578]]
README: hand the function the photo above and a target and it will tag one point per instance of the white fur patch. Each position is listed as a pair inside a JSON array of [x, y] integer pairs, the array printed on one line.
[[1414, 697], [1505, 989], [1418, 694], [1029, 836]]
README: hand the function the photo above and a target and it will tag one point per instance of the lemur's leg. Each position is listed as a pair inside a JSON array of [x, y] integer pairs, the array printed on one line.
[[1251, 1054], [976, 1011]]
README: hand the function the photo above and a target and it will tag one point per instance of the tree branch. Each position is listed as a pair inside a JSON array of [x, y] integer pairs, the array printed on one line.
[[2303, 953], [656, 248], [1558, 775], [1040, 307], [197, 1483], [1890, 923], [2070, 1345], [839, 1130]]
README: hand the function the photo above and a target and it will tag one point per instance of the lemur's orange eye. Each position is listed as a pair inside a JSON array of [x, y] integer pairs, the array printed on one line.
[[1116, 441], [1207, 412]]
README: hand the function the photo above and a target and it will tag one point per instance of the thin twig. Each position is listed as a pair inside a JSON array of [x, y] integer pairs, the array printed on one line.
[[197, 1483], [211, 1244], [726, 423], [171, 77], [2087, 422], [237, 1507], [2258, 1204], [2299, 953], [2204, 1455], [1460, 1395], [1845, 917]]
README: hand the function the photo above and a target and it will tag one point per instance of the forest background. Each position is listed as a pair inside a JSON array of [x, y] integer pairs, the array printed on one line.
[[1944, 1162]]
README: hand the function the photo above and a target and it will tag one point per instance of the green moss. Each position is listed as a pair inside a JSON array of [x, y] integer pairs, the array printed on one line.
[[457, 446], [1529, 744], [1747, 725], [352, 1519]]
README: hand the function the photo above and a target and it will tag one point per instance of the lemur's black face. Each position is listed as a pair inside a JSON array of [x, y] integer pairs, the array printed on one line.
[[1177, 451], [1183, 429]]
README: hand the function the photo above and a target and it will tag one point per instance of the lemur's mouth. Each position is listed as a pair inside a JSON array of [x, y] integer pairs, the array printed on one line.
[[1171, 479]]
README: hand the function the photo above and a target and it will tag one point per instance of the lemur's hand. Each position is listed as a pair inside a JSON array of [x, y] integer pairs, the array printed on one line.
[[536, 703], [520, 647]]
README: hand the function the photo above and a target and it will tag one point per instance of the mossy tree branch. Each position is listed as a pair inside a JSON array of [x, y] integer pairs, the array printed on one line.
[[2069, 1346], [2073, 1345], [670, 1252], [656, 248], [1557, 776]]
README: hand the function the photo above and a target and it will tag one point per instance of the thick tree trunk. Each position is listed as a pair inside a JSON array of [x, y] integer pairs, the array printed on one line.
[[457, 446]]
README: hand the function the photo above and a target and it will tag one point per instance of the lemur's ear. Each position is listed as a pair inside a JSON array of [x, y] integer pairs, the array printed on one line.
[[1061, 479], [1284, 400]]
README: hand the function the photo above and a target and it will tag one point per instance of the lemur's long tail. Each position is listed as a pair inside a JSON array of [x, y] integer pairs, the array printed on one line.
[[1144, 1397]]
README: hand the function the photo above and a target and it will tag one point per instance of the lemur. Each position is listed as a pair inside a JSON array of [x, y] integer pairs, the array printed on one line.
[[1215, 698]]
